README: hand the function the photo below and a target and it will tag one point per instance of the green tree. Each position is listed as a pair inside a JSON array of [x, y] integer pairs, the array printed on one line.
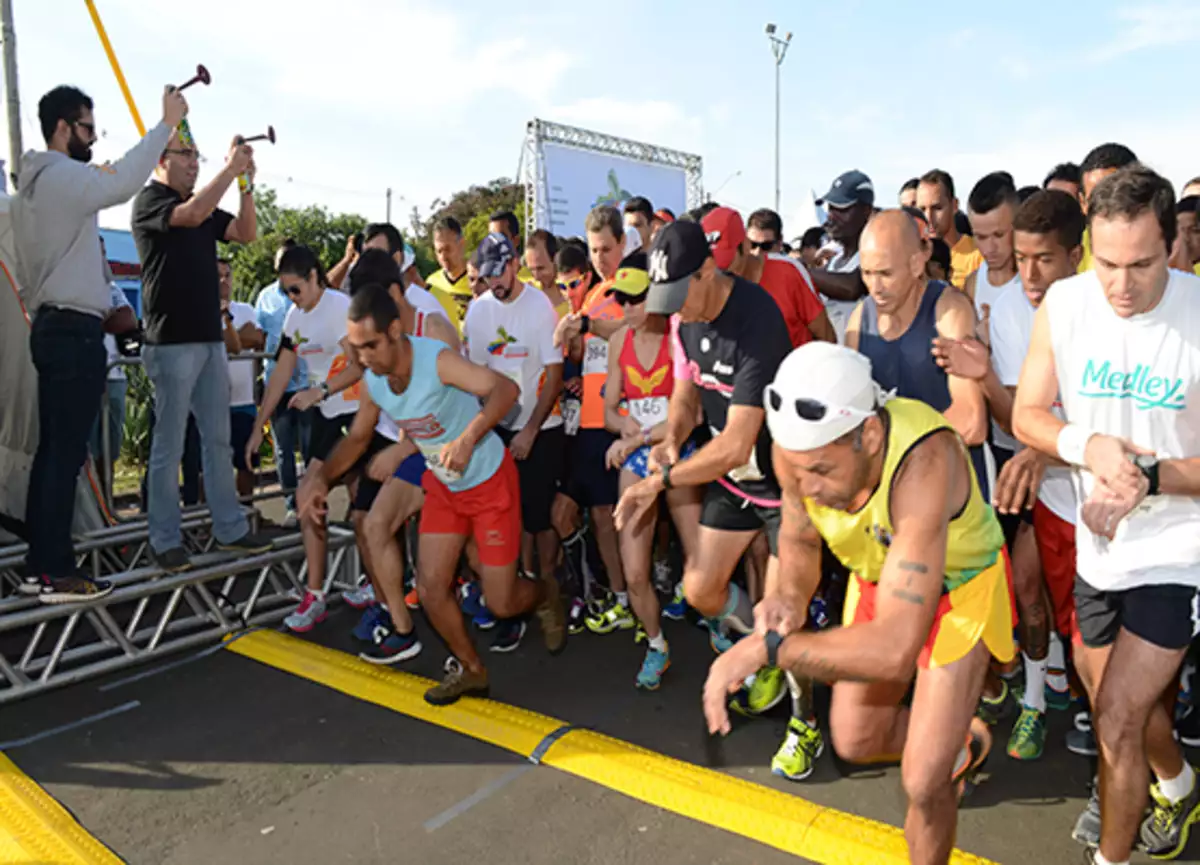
[[315, 227], [471, 207]]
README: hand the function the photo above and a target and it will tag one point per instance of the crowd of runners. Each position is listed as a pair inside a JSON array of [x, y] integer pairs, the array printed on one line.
[[945, 462]]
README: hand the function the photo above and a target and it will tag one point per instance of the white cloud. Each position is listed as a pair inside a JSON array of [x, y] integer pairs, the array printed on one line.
[[1152, 26]]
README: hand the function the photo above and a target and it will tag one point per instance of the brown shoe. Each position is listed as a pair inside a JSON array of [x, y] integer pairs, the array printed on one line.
[[552, 616], [458, 683]]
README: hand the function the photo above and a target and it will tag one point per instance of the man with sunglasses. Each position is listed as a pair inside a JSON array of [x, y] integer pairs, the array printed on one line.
[[69, 302], [888, 486], [510, 330], [764, 232], [177, 229]]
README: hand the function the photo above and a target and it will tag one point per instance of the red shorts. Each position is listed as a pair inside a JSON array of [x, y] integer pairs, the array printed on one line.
[[490, 513], [1056, 547]]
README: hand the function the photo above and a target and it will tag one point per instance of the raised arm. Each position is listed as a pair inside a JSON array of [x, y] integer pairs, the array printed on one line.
[[968, 411]]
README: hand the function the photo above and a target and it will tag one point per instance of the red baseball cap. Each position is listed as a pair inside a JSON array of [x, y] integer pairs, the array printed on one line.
[[725, 231]]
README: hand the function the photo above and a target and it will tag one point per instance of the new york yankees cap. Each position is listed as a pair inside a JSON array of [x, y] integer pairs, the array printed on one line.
[[678, 251]]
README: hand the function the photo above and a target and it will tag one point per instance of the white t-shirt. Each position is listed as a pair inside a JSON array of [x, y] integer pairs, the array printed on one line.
[[1011, 328], [241, 372], [316, 338], [516, 339], [986, 293], [1139, 379], [423, 300], [839, 310], [116, 300]]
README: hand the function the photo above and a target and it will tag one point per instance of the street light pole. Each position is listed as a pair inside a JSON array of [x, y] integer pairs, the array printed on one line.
[[12, 98], [779, 47]]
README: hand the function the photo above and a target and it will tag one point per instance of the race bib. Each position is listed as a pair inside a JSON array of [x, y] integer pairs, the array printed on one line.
[[748, 473], [433, 459], [570, 414], [595, 357], [648, 411]]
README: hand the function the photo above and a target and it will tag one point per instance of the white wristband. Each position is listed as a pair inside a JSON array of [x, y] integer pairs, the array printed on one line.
[[1072, 444]]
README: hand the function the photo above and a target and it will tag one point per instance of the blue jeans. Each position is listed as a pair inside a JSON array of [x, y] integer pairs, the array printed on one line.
[[290, 428], [190, 377], [68, 353]]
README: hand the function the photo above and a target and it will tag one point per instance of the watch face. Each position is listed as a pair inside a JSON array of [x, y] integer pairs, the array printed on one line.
[[1145, 461]]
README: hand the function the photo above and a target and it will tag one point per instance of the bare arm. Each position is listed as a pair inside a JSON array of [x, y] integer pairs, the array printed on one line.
[[928, 491], [120, 320], [548, 398], [201, 205], [822, 328], [498, 393], [281, 375], [853, 325], [244, 229], [682, 411], [799, 571], [251, 337], [336, 275], [969, 285], [439, 327], [1179, 477], [967, 412], [840, 286], [604, 327], [729, 449], [614, 386], [1034, 423], [351, 448], [115, 183], [233, 343]]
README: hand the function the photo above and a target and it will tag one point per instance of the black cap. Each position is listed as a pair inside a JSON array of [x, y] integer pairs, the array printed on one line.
[[678, 251]]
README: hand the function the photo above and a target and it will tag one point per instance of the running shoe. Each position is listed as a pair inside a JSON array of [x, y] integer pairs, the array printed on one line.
[[251, 543], [1028, 738], [1082, 740], [798, 754], [552, 617], [509, 633], [1057, 700], [640, 635], [576, 615], [656, 663], [360, 598], [458, 683], [309, 614], [471, 599], [412, 600], [392, 647], [762, 692], [173, 561], [676, 610], [75, 589], [1165, 832], [1087, 824], [1188, 727], [611, 617], [373, 618], [993, 711], [968, 770], [290, 520], [717, 638]]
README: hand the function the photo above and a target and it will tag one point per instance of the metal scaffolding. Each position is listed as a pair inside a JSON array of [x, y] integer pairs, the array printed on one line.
[[533, 165]]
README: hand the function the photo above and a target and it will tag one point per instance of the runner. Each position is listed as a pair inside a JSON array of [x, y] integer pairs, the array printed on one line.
[[449, 283], [935, 196], [1065, 178], [890, 488], [510, 330], [505, 222], [1120, 342], [641, 375], [731, 338], [434, 394], [764, 233], [850, 202], [540, 253], [1100, 162], [639, 216], [315, 329], [908, 192]]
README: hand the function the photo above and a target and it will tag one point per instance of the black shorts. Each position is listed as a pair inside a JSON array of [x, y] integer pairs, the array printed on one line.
[[326, 433], [1167, 616], [367, 490], [726, 512], [241, 425], [1009, 522], [593, 484], [539, 474]]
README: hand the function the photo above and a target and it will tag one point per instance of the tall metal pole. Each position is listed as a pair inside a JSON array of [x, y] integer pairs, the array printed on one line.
[[389, 204], [779, 47], [12, 98]]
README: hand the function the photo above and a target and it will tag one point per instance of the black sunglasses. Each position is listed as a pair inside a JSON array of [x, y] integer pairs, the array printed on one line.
[[808, 409], [294, 291], [762, 244], [630, 299]]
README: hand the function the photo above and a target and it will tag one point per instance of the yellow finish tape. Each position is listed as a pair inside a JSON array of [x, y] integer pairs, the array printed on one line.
[[116, 67], [36, 830], [759, 813]]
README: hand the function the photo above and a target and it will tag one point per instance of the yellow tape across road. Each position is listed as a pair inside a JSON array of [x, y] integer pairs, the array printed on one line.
[[36, 830], [759, 813]]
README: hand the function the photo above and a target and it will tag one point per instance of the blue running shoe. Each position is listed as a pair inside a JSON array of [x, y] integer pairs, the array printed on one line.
[[508, 636], [717, 638], [392, 647], [471, 598], [656, 663], [676, 610], [373, 617]]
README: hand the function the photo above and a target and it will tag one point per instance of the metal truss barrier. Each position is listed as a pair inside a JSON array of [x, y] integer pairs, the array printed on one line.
[[150, 614]]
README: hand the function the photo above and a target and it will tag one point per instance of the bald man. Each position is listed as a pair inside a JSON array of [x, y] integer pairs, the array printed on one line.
[[896, 323]]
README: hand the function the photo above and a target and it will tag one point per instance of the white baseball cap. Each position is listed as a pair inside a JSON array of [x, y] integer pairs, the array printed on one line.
[[821, 392]]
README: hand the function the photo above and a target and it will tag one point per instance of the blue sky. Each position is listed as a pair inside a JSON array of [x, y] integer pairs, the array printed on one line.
[[428, 97]]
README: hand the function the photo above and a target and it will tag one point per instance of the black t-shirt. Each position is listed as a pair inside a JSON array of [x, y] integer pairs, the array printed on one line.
[[181, 296], [732, 359]]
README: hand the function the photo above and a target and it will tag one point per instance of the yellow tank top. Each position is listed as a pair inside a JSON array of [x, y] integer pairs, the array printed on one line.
[[861, 539]]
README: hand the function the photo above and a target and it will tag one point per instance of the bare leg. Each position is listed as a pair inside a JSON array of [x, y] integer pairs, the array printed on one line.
[[609, 546], [867, 723], [706, 579], [396, 502], [548, 550], [316, 549], [637, 542], [756, 566], [435, 585], [942, 707], [1030, 590], [508, 595]]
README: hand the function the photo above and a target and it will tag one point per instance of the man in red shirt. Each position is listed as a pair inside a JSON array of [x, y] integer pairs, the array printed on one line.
[[785, 279]]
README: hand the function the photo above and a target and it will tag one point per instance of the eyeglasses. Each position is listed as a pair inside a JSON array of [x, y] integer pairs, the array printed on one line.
[[293, 291], [630, 299], [810, 410], [571, 285], [186, 154], [764, 245]]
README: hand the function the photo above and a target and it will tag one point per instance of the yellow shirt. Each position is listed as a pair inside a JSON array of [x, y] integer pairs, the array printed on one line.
[[526, 275], [861, 539], [1085, 262], [965, 259], [453, 296]]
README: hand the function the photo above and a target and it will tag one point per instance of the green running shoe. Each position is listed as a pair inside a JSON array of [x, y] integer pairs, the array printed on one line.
[[1164, 834], [798, 754], [612, 617], [1028, 737], [763, 693], [992, 712]]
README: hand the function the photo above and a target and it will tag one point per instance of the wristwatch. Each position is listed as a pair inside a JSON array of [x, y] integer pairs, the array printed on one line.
[[666, 476], [773, 641], [585, 324], [324, 386], [1148, 465]]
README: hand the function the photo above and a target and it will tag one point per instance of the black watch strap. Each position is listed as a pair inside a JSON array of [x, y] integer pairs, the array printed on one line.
[[666, 476], [1150, 470], [773, 641], [585, 324]]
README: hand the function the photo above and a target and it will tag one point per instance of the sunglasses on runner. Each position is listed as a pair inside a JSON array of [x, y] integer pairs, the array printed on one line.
[[762, 244], [630, 299], [294, 291], [573, 284], [810, 410]]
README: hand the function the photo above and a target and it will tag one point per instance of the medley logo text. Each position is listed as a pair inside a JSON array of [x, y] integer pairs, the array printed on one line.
[[1139, 384]]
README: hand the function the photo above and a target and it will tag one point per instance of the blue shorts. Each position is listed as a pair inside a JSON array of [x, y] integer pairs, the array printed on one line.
[[412, 470], [638, 462]]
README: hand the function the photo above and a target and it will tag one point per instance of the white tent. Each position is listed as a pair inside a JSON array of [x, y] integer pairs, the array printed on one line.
[[18, 401]]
